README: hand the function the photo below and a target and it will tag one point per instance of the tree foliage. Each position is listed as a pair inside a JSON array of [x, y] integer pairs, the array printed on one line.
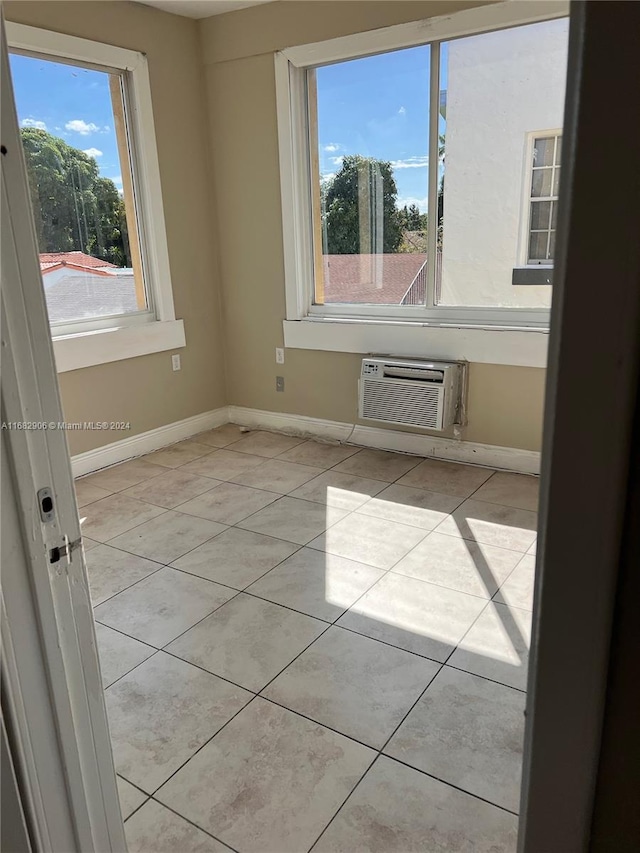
[[411, 219], [351, 203], [75, 208]]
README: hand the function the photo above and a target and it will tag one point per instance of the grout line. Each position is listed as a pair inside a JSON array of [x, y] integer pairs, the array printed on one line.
[[182, 633], [208, 672], [206, 832], [416, 770], [208, 741], [153, 654], [300, 653], [129, 529], [129, 586], [299, 713], [450, 785], [431, 680], [120, 677], [441, 585], [129, 636], [343, 803], [137, 808], [161, 565], [485, 678]]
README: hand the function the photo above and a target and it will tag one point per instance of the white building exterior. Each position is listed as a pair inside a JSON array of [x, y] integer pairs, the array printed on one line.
[[501, 87]]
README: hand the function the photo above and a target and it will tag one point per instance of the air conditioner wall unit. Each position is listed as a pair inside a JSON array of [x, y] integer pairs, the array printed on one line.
[[410, 392]]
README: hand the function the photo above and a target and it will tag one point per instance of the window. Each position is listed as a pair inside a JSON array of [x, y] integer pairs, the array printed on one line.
[[84, 111], [544, 181], [371, 179], [402, 169]]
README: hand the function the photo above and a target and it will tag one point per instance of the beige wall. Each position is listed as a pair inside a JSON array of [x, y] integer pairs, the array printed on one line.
[[145, 390], [505, 403]]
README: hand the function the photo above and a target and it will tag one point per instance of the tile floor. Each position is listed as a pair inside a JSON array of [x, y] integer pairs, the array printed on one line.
[[310, 646]]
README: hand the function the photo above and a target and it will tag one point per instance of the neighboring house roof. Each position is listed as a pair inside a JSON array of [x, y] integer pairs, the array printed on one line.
[[91, 293], [384, 279], [78, 286], [79, 267], [80, 258]]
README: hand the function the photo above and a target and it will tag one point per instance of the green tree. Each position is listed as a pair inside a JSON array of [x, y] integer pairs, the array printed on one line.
[[351, 204], [75, 209], [411, 219]]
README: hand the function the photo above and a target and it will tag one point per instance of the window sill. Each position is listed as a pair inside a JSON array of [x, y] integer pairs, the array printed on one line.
[[87, 349], [491, 345]]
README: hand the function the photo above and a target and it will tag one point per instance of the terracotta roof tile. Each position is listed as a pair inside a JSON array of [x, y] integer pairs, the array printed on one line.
[[79, 258], [382, 279]]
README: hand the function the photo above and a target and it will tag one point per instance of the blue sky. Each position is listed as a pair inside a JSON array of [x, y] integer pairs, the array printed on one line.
[[378, 106], [70, 102]]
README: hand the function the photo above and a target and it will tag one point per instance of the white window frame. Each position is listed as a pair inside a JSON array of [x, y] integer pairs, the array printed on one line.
[[104, 339], [449, 332], [525, 218]]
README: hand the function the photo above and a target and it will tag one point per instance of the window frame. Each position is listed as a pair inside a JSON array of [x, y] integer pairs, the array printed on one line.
[[527, 198], [101, 339], [291, 66]]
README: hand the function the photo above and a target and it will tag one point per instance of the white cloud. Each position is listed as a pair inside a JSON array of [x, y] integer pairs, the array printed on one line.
[[92, 152], [411, 163], [32, 122], [78, 125], [336, 160], [327, 176], [420, 203], [332, 146], [402, 111], [117, 180]]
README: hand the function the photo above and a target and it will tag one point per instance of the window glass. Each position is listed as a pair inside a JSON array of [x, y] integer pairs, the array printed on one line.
[[369, 126], [72, 122]]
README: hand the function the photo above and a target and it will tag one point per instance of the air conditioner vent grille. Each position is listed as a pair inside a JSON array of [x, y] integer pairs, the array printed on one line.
[[401, 403]]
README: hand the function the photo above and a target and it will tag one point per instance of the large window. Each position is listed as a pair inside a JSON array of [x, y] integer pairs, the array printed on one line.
[[86, 124], [411, 168]]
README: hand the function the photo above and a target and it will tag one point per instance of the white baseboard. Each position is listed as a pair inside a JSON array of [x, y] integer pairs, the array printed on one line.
[[145, 442], [487, 455]]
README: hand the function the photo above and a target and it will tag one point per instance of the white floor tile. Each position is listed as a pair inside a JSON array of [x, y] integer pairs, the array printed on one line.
[[317, 583], [396, 809], [159, 608], [270, 781], [248, 640], [467, 731], [353, 684], [161, 713]]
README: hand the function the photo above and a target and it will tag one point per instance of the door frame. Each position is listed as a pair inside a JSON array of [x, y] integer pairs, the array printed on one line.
[[592, 386], [53, 699], [595, 293]]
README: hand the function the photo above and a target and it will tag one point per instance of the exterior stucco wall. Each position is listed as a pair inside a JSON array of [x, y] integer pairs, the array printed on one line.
[[501, 87]]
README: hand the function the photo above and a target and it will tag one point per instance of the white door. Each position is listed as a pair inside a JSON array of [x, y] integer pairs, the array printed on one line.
[[52, 702]]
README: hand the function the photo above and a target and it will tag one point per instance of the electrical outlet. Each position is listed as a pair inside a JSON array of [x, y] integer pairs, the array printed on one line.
[[175, 362], [279, 355], [279, 383]]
